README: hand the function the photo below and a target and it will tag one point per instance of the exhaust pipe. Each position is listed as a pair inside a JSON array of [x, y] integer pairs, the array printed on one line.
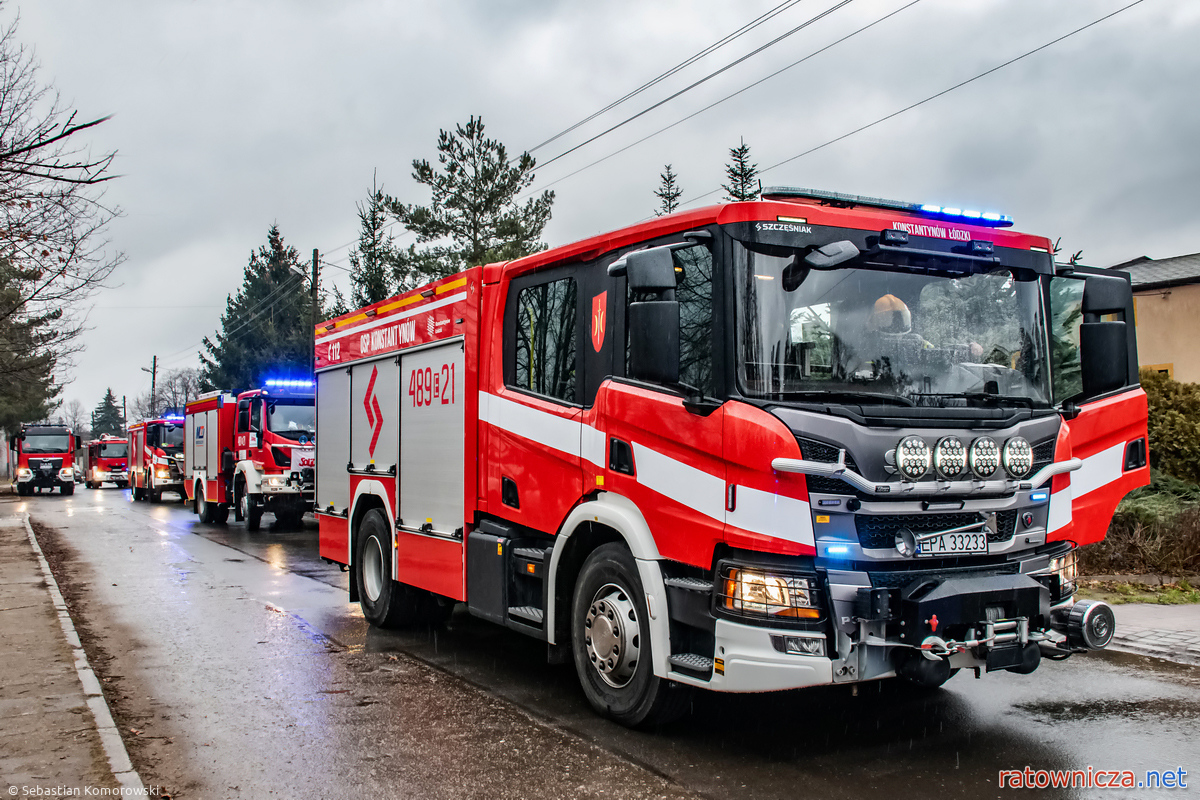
[[1088, 624]]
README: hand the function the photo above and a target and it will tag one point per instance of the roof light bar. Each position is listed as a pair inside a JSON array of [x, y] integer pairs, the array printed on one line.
[[291, 384], [988, 218]]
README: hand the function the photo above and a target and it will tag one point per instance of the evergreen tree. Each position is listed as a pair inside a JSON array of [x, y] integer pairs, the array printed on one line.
[[266, 329], [107, 416], [371, 262], [742, 175], [473, 217], [668, 192], [30, 343]]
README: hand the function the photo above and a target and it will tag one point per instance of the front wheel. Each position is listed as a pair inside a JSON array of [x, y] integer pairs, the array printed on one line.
[[67, 489], [252, 511], [610, 639], [387, 603]]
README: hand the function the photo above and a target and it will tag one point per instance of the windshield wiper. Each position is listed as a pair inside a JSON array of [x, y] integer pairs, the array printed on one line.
[[841, 394], [986, 398]]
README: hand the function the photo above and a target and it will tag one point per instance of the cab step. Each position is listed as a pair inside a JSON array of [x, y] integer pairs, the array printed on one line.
[[528, 613], [689, 584], [692, 662]]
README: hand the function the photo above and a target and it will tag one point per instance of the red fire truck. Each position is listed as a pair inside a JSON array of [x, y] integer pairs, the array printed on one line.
[[42, 457], [156, 458], [107, 461], [254, 453], [813, 439]]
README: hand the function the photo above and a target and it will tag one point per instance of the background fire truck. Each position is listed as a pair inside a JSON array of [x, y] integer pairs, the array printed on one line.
[[254, 453], [813, 439], [42, 457], [156, 458], [106, 460]]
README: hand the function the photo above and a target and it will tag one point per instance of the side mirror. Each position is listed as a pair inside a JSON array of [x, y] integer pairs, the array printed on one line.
[[654, 341], [650, 270], [1106, 351]]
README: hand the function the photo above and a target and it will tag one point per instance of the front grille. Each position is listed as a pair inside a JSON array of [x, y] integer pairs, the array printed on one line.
[[1043, 454], [879, 530], [812, 450], [901, 578]]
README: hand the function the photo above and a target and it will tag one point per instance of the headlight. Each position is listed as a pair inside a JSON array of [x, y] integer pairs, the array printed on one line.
[[66, 472], [162, 473], [1018, 457], [24, 472], [1066, 569], [275, 480], [984, 457], [912, 458], [950, 458], [751, 592]]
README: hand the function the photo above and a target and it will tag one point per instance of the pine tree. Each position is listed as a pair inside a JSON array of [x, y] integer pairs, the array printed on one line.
[[473, 216], [742, 175], [30, 343], [266, 329], [107, 416], [371, 262], [668, 192]]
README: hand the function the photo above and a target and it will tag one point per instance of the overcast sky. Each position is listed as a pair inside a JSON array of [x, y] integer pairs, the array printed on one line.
[[231, 116]]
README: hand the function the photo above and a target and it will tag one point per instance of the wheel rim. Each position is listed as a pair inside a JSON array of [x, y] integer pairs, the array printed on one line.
[[244, 502], [612, 635], [372, 569]]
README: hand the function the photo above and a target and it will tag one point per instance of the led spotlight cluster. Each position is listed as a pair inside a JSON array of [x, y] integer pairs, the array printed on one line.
[[1017, 457], [912, 457], [950, 458]]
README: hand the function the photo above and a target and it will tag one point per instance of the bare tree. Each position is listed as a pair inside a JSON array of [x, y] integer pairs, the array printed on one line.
[[53, 251], [175, 388], [76, 417]]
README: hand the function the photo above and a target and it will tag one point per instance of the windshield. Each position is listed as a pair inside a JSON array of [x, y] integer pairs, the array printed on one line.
[[292, 420], [46, 443], [114, 450], [887, 334], [172, 437]]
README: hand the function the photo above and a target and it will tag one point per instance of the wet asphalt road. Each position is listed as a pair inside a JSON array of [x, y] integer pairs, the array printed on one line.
[[243, 672]]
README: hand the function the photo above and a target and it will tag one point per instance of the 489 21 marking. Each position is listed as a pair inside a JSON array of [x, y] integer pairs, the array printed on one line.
[[429, 386]]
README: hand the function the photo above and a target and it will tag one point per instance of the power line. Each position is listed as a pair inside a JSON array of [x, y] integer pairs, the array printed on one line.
[[706, 78], [673, 70], [931, 97], [723, 99]]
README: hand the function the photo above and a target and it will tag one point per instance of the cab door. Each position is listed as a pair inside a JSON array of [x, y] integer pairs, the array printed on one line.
[[1094, 376]]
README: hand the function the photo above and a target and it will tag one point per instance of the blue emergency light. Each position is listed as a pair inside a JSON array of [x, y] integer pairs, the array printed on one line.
[[1039, 497], [288, 383], [837, 550], [840, 199]]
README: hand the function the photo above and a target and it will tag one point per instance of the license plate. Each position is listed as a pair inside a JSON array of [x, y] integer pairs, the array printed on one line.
[[949, 544]]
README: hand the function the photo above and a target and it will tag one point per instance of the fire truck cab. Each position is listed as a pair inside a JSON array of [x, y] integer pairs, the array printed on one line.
[[107, 461], [812, 439], [42, 457], [156, 458], [253, 453]]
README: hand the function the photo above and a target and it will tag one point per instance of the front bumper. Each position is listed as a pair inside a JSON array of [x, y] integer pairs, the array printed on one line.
[[44, 480], [748, 661], [110, 477]]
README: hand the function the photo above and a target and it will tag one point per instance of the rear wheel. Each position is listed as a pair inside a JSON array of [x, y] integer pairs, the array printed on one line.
[[221, 515], [67, 488], [387, 603], [139, 492], [122, 484], [153, 493], [610, 639], [204, 509]]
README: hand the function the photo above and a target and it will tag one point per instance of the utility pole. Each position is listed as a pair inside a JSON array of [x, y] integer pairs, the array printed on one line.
[[153, 382], [316, 281], [124, 413]]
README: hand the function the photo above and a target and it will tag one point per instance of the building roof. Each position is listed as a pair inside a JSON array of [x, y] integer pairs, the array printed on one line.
[[1151, 273]]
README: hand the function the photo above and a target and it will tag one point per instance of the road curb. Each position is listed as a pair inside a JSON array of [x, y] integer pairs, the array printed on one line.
[[110, 737]]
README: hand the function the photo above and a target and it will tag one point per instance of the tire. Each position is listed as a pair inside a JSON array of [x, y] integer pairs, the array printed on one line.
[[88, 485], [122, 484], [221, 514], [67, 489], [251, 512], [153, 494], [204, 509], [387, 603], [22, 490], [612, 646], [139, 493]]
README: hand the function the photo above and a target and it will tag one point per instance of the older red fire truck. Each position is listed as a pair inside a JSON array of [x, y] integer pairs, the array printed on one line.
[[42, 457], [156, 458], [107, 461], [812, 439], [253, 453]]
